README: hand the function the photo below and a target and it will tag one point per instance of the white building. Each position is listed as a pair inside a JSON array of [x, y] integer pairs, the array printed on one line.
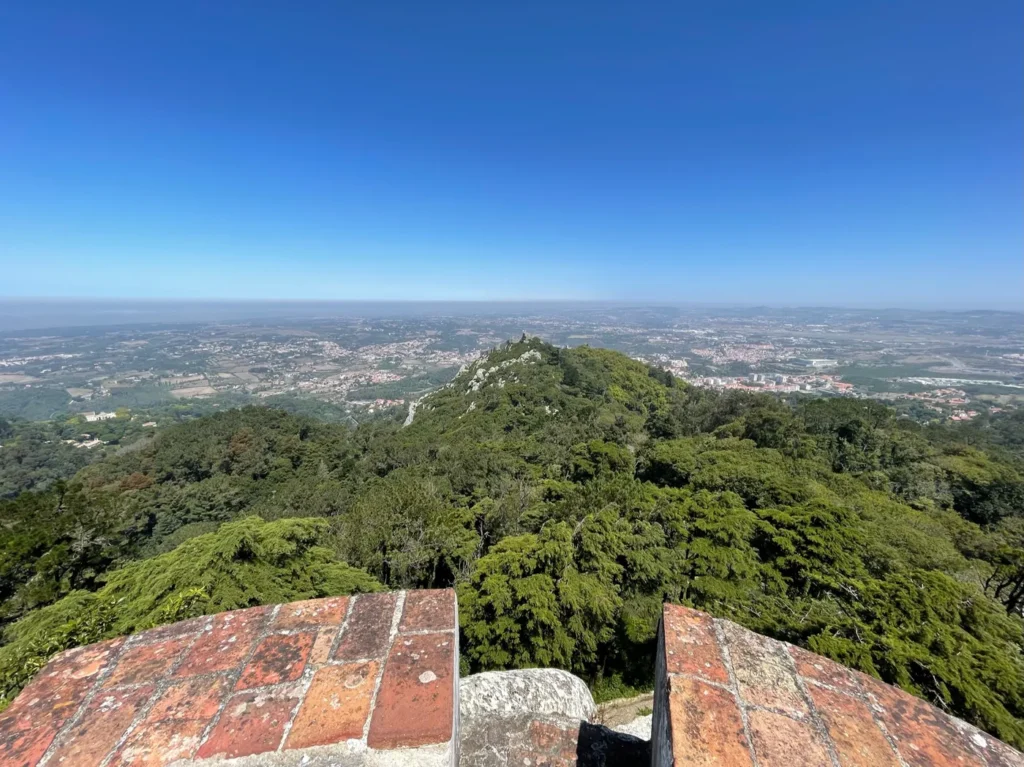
[[90, 416]]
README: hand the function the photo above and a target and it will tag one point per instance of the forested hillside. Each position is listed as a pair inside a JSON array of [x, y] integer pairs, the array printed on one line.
[[566, 494]]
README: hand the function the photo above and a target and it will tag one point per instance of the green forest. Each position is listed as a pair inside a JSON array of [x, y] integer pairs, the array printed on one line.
[[566, 494]]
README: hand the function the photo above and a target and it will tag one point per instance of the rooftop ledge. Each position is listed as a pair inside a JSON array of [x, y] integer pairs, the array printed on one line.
[[373, 680], [728, 696], [365, 680]]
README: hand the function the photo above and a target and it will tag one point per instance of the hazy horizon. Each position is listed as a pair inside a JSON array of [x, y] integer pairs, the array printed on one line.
[[42, 313]]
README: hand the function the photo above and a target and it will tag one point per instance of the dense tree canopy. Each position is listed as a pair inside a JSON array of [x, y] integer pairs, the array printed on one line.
[[565, 494]]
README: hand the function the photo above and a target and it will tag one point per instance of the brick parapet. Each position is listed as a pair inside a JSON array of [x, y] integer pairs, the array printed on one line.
[[727, 696], [297, 683]]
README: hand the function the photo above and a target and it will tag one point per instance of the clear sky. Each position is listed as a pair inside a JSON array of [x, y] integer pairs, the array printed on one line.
[[862, 152]]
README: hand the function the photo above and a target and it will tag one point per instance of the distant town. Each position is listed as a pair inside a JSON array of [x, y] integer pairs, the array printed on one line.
[[931, 366]]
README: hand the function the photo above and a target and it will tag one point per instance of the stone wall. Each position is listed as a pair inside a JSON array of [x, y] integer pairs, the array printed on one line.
[[661, 736], [728, 696], [371, 680]]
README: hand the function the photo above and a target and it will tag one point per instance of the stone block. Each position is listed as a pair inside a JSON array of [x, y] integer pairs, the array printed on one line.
[[226, 643], [539, 691], [430, 610], [253, 722], [337, 705], [104, 721], [706, 725], [416, 698], [277, 658], [367, 633], [500, 711], [691, 646], [312, 613]]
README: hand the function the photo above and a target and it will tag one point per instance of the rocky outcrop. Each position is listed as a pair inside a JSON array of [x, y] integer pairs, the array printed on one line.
[[543, 691], [481, 375], [638, 728], [522, 717]]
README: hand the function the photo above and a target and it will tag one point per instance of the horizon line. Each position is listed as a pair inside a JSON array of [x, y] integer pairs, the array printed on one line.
[[491, 301]]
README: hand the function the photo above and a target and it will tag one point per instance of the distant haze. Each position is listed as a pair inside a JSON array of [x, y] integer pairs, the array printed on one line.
[[52, 313], [24, 314]]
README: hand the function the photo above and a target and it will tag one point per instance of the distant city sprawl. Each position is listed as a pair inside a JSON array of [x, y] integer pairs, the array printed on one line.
[[930, 365]]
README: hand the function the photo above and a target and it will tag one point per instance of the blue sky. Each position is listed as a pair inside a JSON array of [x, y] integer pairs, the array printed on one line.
[[856, 153]]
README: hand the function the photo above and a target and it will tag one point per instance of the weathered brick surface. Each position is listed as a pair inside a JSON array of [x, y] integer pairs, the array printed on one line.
[[414, 704], [780, 741], [196, 698], [774, 705], [25, 746], [174, 726], [250, 682], [253, 722], [189, 628], [691, 646], [322, 645], [367, 633], [56, 693], [105, 720], [159, 743], [925, 736], [706, 725], [312, 613], [430, 610], [819, 670], [145, 662], [849, 723], [763, 672], [277, 658], [33, 721], [226, 643], [337, 705], [997, 753]]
